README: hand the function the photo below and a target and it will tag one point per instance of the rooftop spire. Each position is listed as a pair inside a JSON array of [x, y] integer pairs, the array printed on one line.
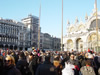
[[76, 20], [68, 22], [86, 16]]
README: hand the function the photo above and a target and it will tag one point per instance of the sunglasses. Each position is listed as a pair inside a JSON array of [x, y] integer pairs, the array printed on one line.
[[7, 60]]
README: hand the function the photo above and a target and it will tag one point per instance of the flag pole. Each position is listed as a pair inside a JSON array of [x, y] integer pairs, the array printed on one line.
[[39, 26], [62, 29], [96, 24]]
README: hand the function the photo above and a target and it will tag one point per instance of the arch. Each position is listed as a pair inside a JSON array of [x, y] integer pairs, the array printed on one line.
[[79, 44], [71, 29], [93, 24], [20, 48], [92, 40], [11, 47], [81, 27], [15, 47], [70, 44], [6, 47], [91, 37], [1, 46], [26, 48]]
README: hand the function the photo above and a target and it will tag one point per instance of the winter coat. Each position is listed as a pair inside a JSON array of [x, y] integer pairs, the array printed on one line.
[[58, 67], [46, 69], [11, 70], [22, 65], [33, 64]]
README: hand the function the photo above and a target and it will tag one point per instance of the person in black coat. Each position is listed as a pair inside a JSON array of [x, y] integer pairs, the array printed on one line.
[[9, 68], [33, 62], [46, 68], [22, 65], [1, 65]]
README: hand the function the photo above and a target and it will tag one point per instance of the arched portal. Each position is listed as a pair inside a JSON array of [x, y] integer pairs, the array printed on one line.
[[93, 24], [1, 46], [79, 44], [70, 45], [92, 41], [20, 48], [11, 47], [26, 48], [6, 47], [15, 47]]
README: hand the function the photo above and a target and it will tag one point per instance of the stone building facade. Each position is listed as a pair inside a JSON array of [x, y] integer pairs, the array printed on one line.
[[56, 43], [23, 35], [10, 34], [32, 23], [47, 41], [83, 35]]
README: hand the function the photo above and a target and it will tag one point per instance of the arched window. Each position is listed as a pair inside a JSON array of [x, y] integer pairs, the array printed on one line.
[[93, 24]]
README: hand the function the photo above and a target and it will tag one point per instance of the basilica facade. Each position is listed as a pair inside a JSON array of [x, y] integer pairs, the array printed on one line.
[[82, 36]]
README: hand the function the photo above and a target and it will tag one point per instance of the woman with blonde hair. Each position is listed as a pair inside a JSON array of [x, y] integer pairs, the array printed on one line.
[[57, 64], [9, 67]]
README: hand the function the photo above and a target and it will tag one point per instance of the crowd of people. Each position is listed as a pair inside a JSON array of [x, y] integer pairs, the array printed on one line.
[[40, 62]]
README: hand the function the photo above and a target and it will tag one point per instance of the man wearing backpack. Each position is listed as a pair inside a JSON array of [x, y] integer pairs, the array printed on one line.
[[87, 70]]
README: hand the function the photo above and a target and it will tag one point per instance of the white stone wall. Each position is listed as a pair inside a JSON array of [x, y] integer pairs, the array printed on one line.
[[80, 30]]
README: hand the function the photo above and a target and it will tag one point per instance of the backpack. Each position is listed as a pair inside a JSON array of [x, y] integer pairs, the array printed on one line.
[[87, 70], [68, 70]]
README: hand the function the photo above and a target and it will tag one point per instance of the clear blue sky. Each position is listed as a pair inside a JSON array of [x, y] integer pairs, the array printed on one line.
[[51, 12]]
